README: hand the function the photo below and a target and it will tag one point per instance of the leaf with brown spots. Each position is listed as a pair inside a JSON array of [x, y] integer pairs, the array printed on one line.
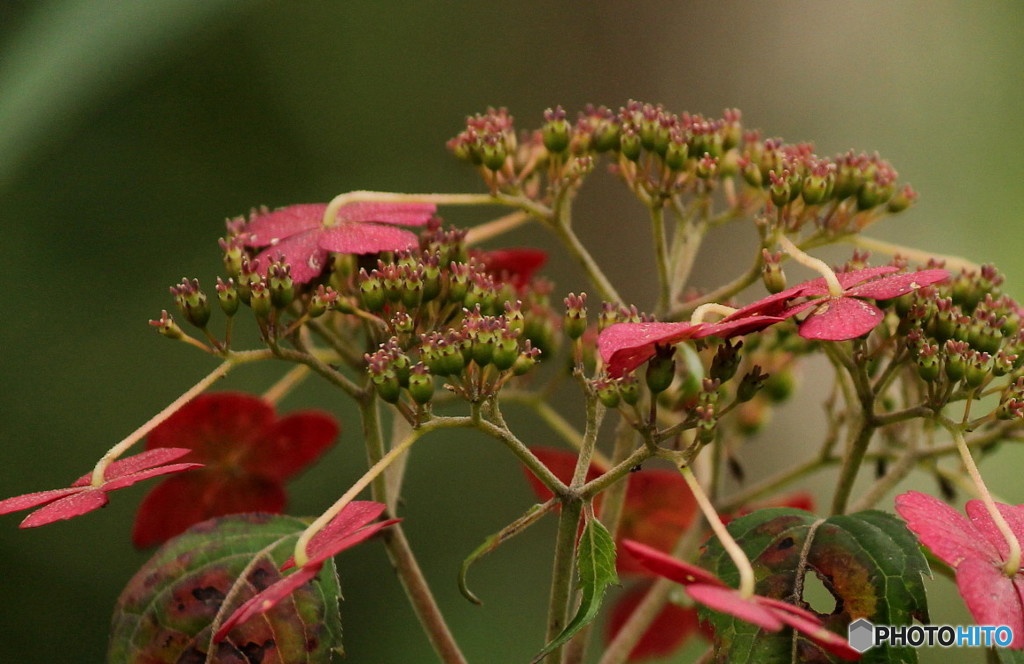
[[869, 562], [168, 610]]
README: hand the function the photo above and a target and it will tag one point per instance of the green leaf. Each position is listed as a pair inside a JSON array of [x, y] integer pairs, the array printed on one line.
[[1006, 656], [497, 539], [595, 564], [869, 562], [167, 610]]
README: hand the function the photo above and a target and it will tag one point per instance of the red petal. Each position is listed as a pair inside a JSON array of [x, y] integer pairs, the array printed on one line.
[[181, 502], [353, 238], [303, 254], [345, 530], [840, 318], [516, 266], [625, 346], [897, 284], [128, 480], [272, 227], [292, 443], [406, 214], [658, 508], [947, 533], [668, 631], [267, 599], [216, 425], [991, 596], [847, 279], [727, 600], [671, 568], [135, 463], [737, 327], [982, 521], [810, 626], [30, 500], [76, 504]]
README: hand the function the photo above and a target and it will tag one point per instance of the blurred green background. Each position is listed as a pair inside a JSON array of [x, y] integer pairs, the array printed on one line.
[[129, 130]]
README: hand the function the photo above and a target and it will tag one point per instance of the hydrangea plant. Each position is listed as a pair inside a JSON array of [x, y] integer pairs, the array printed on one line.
[[422, 330]]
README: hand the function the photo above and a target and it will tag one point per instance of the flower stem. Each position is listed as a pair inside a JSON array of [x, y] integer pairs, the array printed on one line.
[[835, 289], [495, 227], [301, 556], [227, 365], [700, 313], [891, 249], [1012, 565], [660, 257], [341, 200], [739, 558], [286, 383], [561, 573]]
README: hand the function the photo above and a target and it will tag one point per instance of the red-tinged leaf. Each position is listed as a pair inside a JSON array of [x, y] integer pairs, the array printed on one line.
[[79, 503], [991, 597], [669, 630], [729, 601], [946, 532], [30, 500], [167, 612], [270, 228], [406, 214], [869, 561], [293, 443], [350, 238], [180, 502], [840, 318], [897, 284]]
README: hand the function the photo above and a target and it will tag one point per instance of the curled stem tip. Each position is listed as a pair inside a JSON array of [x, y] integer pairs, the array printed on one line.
[[835, 289]]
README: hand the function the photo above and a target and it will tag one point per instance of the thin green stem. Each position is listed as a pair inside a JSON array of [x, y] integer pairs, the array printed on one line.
[[341, 200], [660, 257], [572, 243], [301, 556], [835, 289], [1012, 565], [232, 359], [286, 384], [851, 465], [739, 558], [892, 249], [561, 573]]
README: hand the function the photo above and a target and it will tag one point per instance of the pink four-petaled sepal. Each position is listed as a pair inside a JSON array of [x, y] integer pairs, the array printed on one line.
[[297, 233], [350, 527], [765, 612], [974, 547], [82, 497]]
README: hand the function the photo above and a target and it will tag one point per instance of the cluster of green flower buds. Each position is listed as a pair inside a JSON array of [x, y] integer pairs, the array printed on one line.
[[963, 333], [797, 180], [477, 358]]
